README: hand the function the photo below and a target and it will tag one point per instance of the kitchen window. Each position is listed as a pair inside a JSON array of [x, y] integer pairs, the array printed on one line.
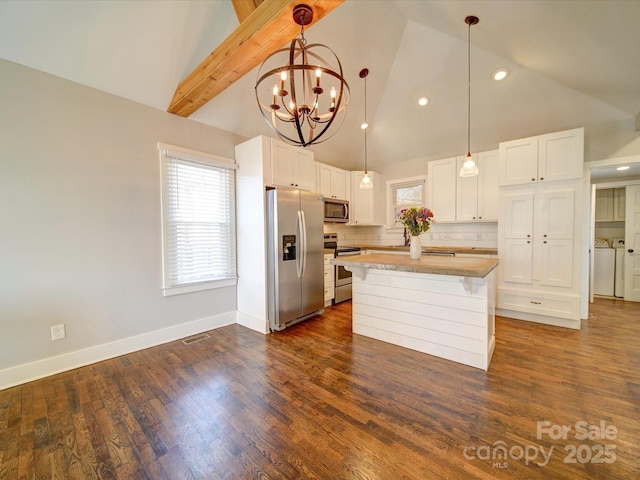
[[198, 220], [404, 193]]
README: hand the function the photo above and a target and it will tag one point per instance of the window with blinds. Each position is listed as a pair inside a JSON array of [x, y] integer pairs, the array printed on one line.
[[198, 220]]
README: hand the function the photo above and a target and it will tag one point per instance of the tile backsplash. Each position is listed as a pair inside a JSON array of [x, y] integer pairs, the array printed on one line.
[[452, 234]]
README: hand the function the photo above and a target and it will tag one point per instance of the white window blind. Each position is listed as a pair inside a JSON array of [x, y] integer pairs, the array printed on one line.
[[198, 221]]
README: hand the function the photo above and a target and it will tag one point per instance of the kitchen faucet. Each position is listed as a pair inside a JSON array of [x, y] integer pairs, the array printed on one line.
[[407, 238]]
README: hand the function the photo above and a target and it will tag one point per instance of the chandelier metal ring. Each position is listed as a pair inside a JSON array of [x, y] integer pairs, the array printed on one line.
[[293, 96]]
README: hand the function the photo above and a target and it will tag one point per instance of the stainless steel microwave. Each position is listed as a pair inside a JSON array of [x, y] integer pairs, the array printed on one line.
[[336, 211]]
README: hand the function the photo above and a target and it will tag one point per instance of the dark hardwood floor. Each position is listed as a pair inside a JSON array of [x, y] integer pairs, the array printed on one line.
[[316, 402]]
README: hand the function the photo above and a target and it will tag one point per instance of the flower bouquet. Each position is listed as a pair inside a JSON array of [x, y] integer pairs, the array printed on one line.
[[416, 220]]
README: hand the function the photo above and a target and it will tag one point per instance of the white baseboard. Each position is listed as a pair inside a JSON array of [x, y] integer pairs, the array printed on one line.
[[531, 317], [254, 323], [49, 366]]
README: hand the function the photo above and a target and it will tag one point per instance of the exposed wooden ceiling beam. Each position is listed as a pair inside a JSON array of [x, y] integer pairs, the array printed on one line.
[[244, 8], [264, 31]]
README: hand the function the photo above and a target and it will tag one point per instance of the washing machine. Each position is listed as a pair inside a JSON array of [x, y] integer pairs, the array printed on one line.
[[604, 268], [618, 288]]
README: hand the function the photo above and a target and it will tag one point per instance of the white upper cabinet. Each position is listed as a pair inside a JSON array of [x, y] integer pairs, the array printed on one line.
[[442, 176], [550, 157], [619, 203], [610, 205], [292, 166], [367, 206], [477, 197], [334, 182]]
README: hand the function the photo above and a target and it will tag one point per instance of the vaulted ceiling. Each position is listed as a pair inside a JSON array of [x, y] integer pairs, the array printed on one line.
[[572, 63]]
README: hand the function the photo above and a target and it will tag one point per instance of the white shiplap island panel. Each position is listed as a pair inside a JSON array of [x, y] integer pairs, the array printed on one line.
[[449, 316]]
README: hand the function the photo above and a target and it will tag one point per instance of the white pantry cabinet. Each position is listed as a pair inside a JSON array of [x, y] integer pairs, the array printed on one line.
[[367, 206], [539, 238], [334, 182], [545, 158], [442, 177], [477, 197], [292, 167]]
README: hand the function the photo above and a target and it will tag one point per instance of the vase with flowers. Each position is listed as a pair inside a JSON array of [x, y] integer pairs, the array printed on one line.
[[416, 221]]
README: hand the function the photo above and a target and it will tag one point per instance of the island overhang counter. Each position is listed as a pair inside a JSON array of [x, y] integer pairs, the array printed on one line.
[[442, 306]]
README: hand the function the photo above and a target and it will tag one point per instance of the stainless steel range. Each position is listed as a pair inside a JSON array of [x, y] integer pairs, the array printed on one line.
[[342, 276]]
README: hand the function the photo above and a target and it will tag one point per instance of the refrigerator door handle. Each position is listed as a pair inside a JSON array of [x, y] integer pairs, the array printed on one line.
[[299, 258], [304, 243]]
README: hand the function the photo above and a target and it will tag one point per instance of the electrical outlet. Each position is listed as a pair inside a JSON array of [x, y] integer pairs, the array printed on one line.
[[58, 332], [478, 236], [446, 236]]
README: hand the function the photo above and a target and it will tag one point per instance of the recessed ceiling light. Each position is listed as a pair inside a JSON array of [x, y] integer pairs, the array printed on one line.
[[423, 101], [623, 168], [500, 74]]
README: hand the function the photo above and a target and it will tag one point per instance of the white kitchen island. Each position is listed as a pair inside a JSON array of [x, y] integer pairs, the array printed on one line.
[[443, 306]]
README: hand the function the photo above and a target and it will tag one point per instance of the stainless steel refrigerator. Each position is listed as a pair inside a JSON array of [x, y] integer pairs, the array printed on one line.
[[295, 256]]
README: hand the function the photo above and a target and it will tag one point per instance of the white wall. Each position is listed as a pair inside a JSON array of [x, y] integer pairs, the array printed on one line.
[[80, 238]]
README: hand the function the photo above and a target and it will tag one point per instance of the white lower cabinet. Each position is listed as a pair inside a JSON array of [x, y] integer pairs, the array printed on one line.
[[329, 279], [539, 239]]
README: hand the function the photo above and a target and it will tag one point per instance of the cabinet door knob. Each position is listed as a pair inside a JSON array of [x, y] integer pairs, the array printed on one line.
[[630, 250], [528, 241], [545, 235], [544, 241], [541, 178], [474, 218], [528, 236], [533, 179]]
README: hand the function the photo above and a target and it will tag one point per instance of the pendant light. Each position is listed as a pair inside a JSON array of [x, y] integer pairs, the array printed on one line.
[[469, 167], [301, 90], [365, 183]]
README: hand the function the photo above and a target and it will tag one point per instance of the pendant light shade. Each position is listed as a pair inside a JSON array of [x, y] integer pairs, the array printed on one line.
[[365, 183], [469, 167]]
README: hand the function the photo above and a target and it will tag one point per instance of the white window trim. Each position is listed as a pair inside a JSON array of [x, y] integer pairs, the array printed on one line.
[[171, 151], [391, 184]]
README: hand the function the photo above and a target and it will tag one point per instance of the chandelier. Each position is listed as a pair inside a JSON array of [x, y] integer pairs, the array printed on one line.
[[469, 167], [301, 90]]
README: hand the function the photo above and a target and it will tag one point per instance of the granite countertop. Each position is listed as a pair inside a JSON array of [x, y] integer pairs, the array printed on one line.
[[459, 266], [433, 249]]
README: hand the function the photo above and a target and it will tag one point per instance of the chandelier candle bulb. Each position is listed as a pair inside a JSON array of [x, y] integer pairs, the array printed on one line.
[[283, 78]]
